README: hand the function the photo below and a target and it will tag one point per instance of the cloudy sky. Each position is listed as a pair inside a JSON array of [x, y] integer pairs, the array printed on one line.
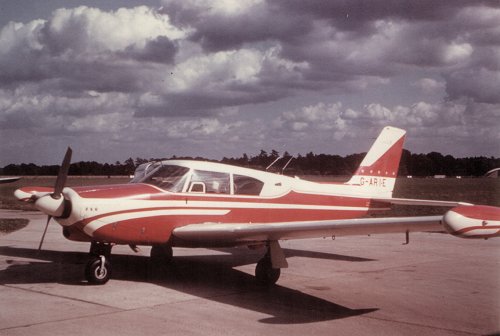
[[156, 78]]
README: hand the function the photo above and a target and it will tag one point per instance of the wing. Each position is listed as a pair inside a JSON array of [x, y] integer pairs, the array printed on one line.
[[8, 179], [241, 233], [422, 202]]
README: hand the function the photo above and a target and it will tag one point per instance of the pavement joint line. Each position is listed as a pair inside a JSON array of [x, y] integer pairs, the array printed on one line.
[[59, 320], [80, 317], [421, 325], [60, 296], [391, 268], [115, 310]]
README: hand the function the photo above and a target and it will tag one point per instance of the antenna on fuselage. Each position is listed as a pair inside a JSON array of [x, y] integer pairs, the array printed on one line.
[[272, 163], [286, 165]]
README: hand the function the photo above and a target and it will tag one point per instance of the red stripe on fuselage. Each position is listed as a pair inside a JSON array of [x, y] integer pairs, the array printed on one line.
[[293, 206]]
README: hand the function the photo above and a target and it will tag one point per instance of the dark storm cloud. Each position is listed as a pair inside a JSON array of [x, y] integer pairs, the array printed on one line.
[[216, 31], [203, 103], [251, 70], [481, 85], [361, 11], [159, 50]]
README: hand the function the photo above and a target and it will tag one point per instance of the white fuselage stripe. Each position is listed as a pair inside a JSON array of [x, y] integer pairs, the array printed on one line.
[[217, 204], [96, 224]]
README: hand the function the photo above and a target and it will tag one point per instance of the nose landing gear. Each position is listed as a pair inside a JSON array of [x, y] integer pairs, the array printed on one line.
[[98, 268]]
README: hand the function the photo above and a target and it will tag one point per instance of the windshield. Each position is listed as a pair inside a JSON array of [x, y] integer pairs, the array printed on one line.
[[143, 170], [170, 178]]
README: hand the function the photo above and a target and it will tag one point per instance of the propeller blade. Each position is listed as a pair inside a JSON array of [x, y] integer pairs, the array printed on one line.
[[63, 174], [44, 232]]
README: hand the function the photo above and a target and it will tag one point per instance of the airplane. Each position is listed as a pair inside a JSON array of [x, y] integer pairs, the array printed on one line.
[[185, 203], [9, 179]]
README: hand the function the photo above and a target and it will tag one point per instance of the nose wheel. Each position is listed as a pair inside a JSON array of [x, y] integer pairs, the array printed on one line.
[[98, 268], [98, 271]]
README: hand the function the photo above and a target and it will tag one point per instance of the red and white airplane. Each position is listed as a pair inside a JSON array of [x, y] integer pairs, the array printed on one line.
[[202, 204]]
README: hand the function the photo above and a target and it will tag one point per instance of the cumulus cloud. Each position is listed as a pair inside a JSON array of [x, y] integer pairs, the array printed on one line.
[[429, 85], [315, 117], [283, 69]]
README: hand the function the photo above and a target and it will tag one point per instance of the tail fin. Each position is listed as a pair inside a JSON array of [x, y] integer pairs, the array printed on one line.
[[378, 171]]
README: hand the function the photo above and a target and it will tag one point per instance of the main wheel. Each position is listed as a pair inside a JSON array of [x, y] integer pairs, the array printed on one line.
[[98, 271], [161, 255], [265, 274]]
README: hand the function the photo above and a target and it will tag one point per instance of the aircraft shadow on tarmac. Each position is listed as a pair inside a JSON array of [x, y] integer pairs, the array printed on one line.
[[208, 276]]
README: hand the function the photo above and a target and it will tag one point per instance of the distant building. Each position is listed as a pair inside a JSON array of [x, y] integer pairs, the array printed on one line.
[[439, 176], [492, 173]]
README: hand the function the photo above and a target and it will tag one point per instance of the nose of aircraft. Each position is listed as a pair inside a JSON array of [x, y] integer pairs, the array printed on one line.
[[51, 206], [49, 201]]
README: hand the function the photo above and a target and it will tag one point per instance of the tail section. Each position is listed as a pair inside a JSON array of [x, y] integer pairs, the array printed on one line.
[[378, 171]]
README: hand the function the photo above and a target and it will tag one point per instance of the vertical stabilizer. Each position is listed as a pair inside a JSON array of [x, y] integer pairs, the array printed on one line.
[[378, 171]]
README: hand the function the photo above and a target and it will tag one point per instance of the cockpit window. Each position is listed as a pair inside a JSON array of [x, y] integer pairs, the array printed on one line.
[[143, 170], [210, 182], [245, 185], [170, 178]]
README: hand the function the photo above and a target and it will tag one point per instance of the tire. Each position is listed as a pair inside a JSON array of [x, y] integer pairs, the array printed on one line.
[[161, 255], [265, 274], [97, 274]]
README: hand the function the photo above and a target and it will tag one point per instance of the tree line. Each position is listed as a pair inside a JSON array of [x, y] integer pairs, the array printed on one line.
[[418, 165]]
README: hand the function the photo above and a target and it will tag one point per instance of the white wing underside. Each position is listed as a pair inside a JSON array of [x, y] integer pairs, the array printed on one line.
[[410, 201], [241, 233]]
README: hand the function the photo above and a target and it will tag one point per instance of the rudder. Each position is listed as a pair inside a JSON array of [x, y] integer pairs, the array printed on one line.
[[378, 171]]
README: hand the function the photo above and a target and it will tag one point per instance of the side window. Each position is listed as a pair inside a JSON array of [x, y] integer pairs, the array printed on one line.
[[209, 182], [170, 178], [244, 185]]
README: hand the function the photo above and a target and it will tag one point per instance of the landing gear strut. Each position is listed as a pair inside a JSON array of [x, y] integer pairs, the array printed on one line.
[[98, 268], [265, 274], [268, 269], [161, 255], [159, 261]]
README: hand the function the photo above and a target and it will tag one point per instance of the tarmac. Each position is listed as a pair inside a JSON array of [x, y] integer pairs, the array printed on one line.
[[436, 285]]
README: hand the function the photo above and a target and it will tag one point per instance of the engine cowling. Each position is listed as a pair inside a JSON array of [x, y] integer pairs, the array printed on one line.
[[475, 221]]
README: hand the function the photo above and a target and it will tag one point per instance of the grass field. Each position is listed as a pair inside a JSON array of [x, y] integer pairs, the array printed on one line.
[[8, 201], [8, 225], [474, 190]]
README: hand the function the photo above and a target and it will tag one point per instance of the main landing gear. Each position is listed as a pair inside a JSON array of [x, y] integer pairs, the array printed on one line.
[[98, 268], [268, 269], [161, 255], [160, 258]]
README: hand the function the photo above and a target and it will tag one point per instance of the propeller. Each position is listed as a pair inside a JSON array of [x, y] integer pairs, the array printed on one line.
[[49, 217], [63, 174], [54, 204]]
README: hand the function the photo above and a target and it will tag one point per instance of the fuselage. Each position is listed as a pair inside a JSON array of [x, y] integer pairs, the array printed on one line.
[[146, 211]]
